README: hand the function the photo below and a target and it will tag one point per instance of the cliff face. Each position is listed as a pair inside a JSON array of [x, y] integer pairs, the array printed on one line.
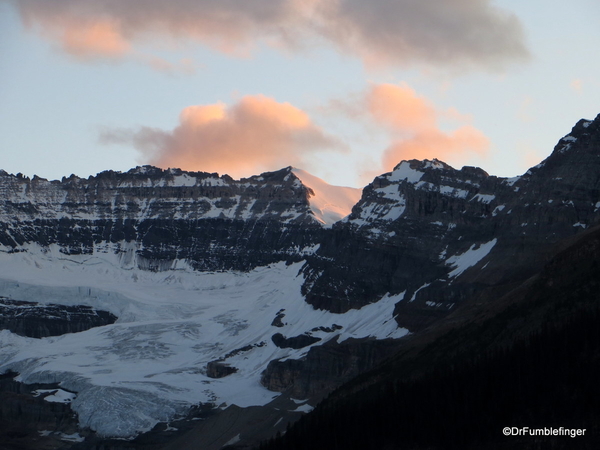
[[220, 283], [34, 320], [153, 218], [441, 234], [32, 417]]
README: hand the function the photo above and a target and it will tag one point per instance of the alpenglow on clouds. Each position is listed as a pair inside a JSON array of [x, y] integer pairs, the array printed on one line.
[[380, 32]]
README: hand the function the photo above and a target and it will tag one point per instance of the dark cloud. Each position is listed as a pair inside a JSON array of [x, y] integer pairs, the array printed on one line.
[[438, 32]]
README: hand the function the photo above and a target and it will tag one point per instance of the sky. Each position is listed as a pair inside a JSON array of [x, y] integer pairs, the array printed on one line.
[[344, 89]]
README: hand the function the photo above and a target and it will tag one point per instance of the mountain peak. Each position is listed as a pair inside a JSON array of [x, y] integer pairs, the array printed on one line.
[[581, 133], [328, 203]]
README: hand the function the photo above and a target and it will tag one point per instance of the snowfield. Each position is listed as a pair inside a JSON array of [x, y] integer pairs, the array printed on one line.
[[150, 365]]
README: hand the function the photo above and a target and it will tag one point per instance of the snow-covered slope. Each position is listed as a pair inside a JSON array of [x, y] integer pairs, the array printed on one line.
[[151, 364], [219, 285], [329, 203]]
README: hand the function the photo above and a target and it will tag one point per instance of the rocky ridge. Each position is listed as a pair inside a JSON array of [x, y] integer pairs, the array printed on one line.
[[37, 321], [156, 219], [439, 234], [425, 238]]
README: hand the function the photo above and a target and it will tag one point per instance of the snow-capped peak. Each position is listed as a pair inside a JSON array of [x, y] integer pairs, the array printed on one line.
[[329, 203]]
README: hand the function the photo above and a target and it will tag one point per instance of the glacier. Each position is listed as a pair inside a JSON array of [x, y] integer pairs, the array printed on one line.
[[150, 365]]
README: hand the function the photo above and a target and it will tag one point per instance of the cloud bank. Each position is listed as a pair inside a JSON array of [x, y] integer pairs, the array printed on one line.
[[412, 124], [253, 135], [454, 33]]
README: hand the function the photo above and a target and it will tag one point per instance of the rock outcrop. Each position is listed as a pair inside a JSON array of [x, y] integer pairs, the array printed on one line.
[[37, 321], [421, 228], [30, 419], [325, 367], [424, 240], [155, 219]]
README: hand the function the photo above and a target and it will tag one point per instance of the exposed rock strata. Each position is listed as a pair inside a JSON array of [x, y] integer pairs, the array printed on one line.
[[325, 366], [295, 342], [409, 222], [36, 320], [28, 420], [153, 218]]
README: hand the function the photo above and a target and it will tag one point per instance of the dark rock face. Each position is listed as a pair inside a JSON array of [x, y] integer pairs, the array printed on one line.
[[37, 321], [27, 420], [217, 369], [277, 321], [295, 342], [325, 366], [444, 237], [151, 217], [409, 222]]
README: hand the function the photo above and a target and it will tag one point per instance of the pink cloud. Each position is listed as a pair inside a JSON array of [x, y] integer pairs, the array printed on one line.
[[253, 135], [433, 143], [400, 108], [412, 124], [81, 26]]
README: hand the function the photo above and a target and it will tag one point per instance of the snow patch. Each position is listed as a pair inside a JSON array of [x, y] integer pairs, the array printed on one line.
[[403, 172], [417, 291], [57, 395], [462, 262], [233, 440], [306, 408], [498, 209], [75, 437], [511, 181], [330, 203], [483, 198]]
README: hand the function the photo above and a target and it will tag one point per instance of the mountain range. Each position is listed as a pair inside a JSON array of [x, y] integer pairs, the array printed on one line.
[[172, 309]]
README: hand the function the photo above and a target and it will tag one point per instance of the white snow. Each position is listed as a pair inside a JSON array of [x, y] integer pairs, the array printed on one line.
[[330, 203], [484, 198], [469, 258], [75, 437], [404, 172], [416, 292], [183, 180], [58, 395], [434, 164], [453, 192], [150, 365], [511, 181], [233, 440], [566, 147], [304, 408], [498, 209], [375, 211]]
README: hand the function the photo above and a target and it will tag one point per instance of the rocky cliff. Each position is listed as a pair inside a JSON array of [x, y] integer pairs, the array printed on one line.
[[155, 219], [441, 234], [34, 320], [220, 285]]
